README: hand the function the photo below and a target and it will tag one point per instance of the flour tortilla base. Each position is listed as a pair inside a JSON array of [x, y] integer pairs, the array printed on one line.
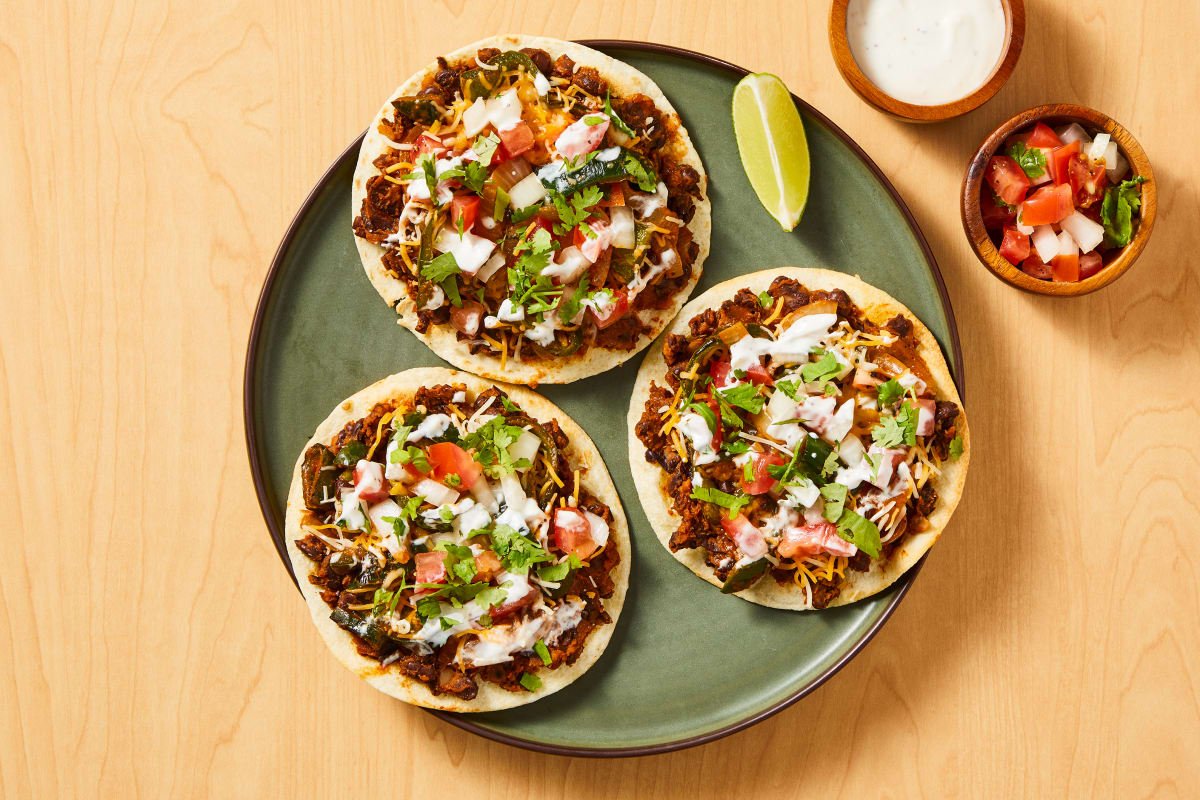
[[593, 475], [624, 81], [877, 306]]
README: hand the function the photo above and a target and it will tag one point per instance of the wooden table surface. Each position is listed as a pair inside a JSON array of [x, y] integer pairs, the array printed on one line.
[[152, 157]]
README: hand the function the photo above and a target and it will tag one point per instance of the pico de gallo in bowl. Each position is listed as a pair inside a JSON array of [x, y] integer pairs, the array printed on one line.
[[1059, 198]]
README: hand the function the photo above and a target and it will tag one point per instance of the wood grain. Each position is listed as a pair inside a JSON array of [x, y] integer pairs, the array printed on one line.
[[152, 156]]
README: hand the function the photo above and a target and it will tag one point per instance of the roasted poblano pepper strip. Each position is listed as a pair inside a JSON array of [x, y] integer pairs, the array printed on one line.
[[741, 577], [711, 346], [539, 474], [479, 82], [350, 453], [564, 347], [368, 631], [812, 460], [342, 562], [628, 165], [425, 110], [624, 261], [316, 480]]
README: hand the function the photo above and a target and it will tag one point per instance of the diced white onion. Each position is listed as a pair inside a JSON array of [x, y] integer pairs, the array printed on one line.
[[475, 118], [622, 227], [1067, 246], [1045, 241], [434, 492], [489, 267], [526, 446], [470, 251], [1074, 133], [1115, 164], [1087, 233], [529, 190], [1098, 146]]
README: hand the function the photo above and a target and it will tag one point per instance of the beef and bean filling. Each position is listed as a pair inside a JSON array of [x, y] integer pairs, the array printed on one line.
[[453, 539], [797, 437], [530, 208]]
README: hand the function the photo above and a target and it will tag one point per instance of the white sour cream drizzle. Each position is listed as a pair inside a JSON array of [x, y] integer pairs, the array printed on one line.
[[926, 52]]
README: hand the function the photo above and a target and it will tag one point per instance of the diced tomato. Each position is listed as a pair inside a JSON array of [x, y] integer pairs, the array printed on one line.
[[431, 567], [1090, 264], [1015, 246], [428, 143], [719, 369], [500, 156], [1057, 162], [718, 435], [812, 539], [1043, 136], [368, 481], [512, 606], [1087, 180], [1048, 205], [743, 532], [995, 216], [466, 319], [1065, 268], [926, 410], [447, 458], [760, 375], [487, 566], [573, 532], [517, 139], [1007, 179], [1034, 267], [464, 208], [593, 246], [616, 195], [615, 311], [763, 481]]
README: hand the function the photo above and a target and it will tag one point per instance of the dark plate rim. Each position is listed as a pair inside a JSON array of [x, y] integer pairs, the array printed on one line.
[[463, 721]]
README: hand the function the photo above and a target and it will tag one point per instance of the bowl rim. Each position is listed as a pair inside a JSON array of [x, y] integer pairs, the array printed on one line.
[[856, 79], [981, 241]]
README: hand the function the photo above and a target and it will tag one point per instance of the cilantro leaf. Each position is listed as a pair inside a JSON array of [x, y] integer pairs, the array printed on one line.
[[440, 268], [617, 122], [428, 167], [428, 607], [744, 396], [894, 431], [491, 442], [516, 552], [735, 447], [835, 500], [637, 171], [859, 531], [821, 370], [956, 447], [475, 174], [485, 147], [570, 306], [787, 387], [1116, 212], [889, 392], [733, 502], [1031, 160]]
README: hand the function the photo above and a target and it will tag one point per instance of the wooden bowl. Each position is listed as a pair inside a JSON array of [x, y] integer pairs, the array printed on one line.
[[1014, 15], [1054, 115]]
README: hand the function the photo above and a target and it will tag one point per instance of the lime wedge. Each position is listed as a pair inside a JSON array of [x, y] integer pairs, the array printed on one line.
[[771, 142]]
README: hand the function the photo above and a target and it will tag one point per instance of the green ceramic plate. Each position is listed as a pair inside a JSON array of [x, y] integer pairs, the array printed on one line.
[[649, 692]]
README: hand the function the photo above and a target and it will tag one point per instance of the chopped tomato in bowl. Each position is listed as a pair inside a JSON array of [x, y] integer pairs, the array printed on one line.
[[1058, 199]]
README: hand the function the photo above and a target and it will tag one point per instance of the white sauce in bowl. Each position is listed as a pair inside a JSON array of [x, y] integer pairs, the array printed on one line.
[[926, 52]]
